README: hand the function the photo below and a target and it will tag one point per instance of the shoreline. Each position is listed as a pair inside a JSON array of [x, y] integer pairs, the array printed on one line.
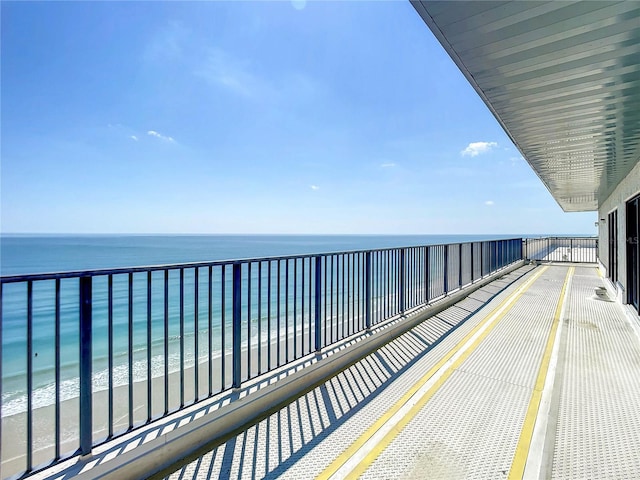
[[13, 440]]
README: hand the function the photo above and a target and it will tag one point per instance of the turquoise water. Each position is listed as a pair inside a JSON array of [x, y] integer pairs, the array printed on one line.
[[38, 254]]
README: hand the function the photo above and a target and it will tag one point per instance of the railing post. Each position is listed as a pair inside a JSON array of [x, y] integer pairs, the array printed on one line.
[[446, 269], [402, 286], [236, 326], [367, 290], [318, 303], [481, 259], [86, 414]]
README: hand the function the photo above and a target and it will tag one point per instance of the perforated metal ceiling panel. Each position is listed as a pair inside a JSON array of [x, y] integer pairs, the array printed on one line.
[[563, 79]]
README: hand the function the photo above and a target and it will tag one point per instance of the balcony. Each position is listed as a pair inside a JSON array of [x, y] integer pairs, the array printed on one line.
[[328, 353]]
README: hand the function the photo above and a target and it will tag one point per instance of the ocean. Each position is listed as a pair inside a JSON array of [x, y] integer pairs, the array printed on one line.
[[28, 254], [24, 254]]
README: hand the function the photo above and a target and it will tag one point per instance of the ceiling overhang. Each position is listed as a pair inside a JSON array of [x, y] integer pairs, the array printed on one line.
[[563, 80]]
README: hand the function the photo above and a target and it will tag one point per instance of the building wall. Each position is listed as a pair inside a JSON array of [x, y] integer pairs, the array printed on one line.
[[627, 189]]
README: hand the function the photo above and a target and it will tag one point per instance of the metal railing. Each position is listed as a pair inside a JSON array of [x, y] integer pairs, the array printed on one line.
[[562, 249], [88, 356]]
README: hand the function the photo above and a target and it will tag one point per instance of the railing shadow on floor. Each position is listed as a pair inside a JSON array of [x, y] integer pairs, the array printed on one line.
[[265, 450]]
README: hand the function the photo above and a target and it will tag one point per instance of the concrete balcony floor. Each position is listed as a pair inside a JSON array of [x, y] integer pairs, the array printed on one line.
[[542, 382]]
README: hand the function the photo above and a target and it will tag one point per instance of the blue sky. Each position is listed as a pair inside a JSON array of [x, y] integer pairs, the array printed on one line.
[[234, 117]]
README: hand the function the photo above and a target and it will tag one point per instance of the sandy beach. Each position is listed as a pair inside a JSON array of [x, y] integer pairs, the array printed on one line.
[[14, 427]]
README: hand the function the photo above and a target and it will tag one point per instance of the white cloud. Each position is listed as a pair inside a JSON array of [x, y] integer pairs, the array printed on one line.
[[239, 76], [315, 187], [388, 165], [133, 137], [233, 74], [299, 4], [476, 148], [489, 203], [164, 138]]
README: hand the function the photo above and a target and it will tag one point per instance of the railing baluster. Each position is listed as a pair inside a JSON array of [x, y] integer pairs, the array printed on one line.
[[310, 309], [317, 303], [249, 319], [110, 348], [571, 250], [427, 275], [269, 315], [181, 337], [57, 366], [409, 274], [286, 309], [472, 264], [350, 288], [401, 285], [259, 318], [30, 373], [130, 347], [86, 417], [367, 290], [359, 282], [149, 357], [295, 308], [331, 337], [223, 343], [386, 293], [302, 274], [325, 298], [166, 342], [342, 320], [278, 332], [237, 325], [196, 349], [210, 324], [446, 269]]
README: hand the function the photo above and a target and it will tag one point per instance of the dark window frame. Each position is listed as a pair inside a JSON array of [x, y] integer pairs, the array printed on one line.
[[633, 251], [612, 266]]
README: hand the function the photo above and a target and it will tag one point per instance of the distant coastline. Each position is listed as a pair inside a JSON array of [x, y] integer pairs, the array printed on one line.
[[23, 253]]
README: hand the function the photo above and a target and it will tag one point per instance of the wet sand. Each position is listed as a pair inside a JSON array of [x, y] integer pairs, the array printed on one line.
[[13, 443]]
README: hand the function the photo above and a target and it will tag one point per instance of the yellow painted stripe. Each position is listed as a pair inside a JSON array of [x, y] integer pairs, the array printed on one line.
[[355, 446], [524, 442]]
